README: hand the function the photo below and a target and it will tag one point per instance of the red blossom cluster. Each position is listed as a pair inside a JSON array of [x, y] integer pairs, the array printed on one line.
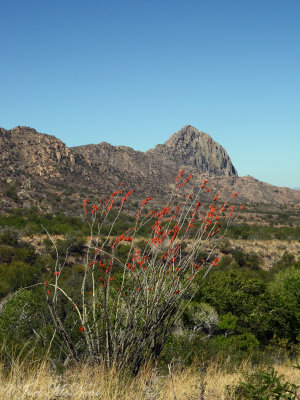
[[146, 201], [204, 183], [94, 209], [125, 198], [107, 206], [84, 207], [185, 181], [122, 238], [180, 173], [173, 229], [215, 262]]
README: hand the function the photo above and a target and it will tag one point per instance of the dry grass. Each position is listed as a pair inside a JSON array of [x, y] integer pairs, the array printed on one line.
[[87, 382], [269, 251]]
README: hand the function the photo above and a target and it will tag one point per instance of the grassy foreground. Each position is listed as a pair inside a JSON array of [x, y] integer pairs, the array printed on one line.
[[87, 382]]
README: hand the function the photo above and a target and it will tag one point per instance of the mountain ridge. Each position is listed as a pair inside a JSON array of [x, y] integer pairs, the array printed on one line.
[[42, 161]]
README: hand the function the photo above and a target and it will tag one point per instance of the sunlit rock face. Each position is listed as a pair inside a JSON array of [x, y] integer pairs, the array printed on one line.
[[189, 147]]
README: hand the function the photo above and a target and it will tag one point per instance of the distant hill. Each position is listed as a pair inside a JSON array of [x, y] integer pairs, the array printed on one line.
[[40, 170]]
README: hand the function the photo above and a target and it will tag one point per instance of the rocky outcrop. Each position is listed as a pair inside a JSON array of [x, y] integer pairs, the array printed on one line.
[[25, 151], [197, 150]]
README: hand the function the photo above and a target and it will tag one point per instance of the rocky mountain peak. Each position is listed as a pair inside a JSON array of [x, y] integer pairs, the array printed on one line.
[[187, 134], [196, 149]]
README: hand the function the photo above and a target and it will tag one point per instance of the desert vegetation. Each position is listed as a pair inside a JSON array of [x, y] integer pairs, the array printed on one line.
[[162, 302]]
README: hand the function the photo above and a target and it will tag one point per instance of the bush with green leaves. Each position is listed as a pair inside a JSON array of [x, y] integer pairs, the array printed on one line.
[[263, 385], [23, 322], [247, 260], [17, 274], [282, 306], [9, 254], [262, 307]]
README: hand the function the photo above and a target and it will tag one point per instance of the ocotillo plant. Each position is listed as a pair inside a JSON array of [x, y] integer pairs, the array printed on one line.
[[131, 305]]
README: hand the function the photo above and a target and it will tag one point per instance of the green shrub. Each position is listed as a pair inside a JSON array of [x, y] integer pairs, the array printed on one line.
[[9, 236], [262, 308], [22, 323], [248, 260], [9, 254], [225, 263], [264, 385], [236, 344], [227, 322], [17, 274], [281, 306]]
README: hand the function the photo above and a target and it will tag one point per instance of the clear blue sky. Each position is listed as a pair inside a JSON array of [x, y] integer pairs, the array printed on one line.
[[133, 72]]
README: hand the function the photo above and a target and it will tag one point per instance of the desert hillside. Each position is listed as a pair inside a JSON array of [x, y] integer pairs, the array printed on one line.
[[40, 170]]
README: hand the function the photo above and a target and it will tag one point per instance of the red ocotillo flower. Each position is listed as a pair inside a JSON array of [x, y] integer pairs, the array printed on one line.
[[125, 198], [215, 262], [146, 201], [185, 181], [178, 177]]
